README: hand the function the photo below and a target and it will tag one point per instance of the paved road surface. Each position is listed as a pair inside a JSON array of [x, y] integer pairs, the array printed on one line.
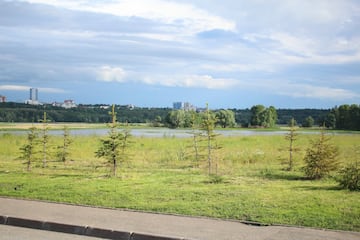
[[159, 224], [16, 233]]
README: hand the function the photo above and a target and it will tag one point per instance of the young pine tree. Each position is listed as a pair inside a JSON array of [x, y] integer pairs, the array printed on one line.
[[291, 138], [45, 139], [321, 157], [113, 148], [63, 150], [29, 150], [208, 126], [197, 137]]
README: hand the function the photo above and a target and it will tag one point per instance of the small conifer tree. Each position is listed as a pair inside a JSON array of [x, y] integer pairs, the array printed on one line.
[[197, 137], [44, 139], [63, 150], [208, 126], [291, 137], [113, 148], [29, 150], [321, 157]]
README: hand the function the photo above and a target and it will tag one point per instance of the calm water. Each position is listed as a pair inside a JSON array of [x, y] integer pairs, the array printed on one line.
[[162, 132]]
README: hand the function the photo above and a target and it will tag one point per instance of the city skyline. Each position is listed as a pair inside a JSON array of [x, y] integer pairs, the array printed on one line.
[[151, 53]]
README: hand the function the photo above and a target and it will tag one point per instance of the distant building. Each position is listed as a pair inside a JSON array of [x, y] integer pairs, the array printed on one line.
[[178, 105], [65, 104], [34, 94], [34, 100], [69, 104], [2, 99], [104, 106], [184, 106], [56, 104]]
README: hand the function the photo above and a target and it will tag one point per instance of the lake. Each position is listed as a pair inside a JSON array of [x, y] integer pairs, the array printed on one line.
[[165, 132]]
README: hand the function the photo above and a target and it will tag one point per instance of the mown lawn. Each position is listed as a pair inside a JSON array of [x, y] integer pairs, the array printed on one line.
[[160, 176]]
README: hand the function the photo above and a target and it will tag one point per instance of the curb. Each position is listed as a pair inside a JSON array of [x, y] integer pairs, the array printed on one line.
[[246, 222], [80, 230]]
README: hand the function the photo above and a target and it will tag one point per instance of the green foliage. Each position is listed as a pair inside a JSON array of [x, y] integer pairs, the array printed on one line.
[[29, 150], [309, 122], [263, 117], [179, 119], [291, 137], [330, 121], [321, 158], [113, 148], [285, 115], [349, 176], [270, 117], [157, 122], [176, 119], [256, 115], [18, 112], [208, 126], [63, 152], [215, 179], [44, 139], [225, 118], [197, 138], [347, 117], [292, 123]]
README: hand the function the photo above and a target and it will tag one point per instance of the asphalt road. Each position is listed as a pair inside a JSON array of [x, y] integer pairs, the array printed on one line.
[[152, 224], [15, 233]]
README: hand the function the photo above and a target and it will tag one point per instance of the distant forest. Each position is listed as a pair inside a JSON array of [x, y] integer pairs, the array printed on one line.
[[345, 117]]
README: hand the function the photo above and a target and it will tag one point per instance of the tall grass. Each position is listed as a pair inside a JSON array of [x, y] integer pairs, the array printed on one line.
[[160, 176]]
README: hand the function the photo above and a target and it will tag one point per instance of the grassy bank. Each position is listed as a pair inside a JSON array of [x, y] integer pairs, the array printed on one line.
[[25, 126], [160, 176]]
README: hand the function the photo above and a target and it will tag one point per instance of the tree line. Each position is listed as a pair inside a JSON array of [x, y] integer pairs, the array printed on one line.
[[344, 117]]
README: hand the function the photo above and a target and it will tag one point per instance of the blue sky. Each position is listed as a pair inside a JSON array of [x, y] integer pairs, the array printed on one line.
[[151, 53]]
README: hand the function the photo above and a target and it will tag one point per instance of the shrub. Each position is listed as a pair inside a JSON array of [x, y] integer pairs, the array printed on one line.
[[320, 158], [349, 176], [215, 179]]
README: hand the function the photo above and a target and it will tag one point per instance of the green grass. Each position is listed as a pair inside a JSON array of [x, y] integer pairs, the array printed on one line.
[[160, 177]]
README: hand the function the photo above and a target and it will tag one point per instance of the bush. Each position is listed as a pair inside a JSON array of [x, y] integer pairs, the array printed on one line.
[[349, 177], [320, 158], [215, 179]]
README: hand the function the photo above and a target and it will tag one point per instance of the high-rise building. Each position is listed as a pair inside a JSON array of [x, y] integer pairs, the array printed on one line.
[[34, 94], [184, 106], [178, 105], [2, 99], [33, 97]]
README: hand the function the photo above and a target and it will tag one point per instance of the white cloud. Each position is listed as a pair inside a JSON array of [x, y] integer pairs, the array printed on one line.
[[23, 88], [315, 92], [238, 67], [206, 81], [163, 43], [111, 74], [192, 81], [187, 16], [288, 48], [51, 90], [14, 88]]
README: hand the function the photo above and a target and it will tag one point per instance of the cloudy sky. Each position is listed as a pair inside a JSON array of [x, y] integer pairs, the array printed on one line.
[[151, 53]]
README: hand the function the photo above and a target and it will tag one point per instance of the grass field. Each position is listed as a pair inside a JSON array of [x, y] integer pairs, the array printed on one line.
[[159, 176]]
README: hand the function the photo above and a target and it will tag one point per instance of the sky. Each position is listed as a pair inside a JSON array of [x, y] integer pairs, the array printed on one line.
[[151, 53]]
